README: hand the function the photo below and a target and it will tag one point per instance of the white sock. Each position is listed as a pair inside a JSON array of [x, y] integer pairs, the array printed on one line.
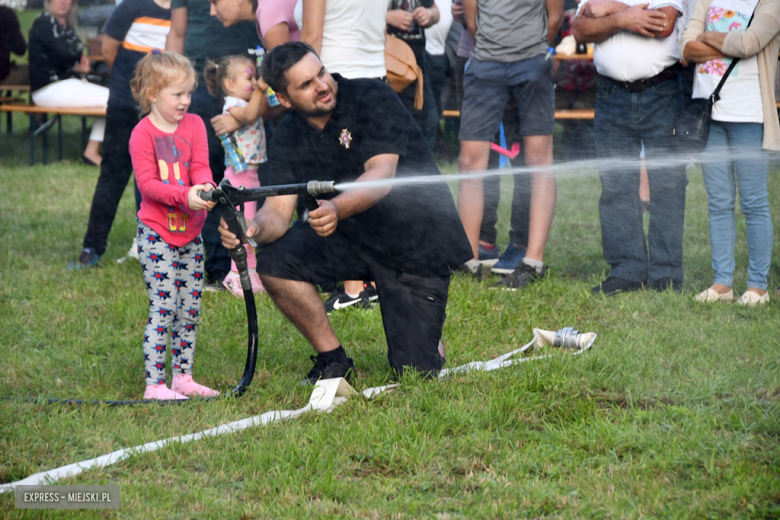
[[536, 264], [353, 296]]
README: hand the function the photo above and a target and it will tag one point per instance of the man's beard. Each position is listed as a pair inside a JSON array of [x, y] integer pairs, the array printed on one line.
[[315, 112]]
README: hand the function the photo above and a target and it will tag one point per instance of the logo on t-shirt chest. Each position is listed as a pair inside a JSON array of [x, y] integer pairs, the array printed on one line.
[[345, 139]]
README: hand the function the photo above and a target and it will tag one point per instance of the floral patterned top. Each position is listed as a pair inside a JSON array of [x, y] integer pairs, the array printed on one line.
[[249, 138], [740, 97]]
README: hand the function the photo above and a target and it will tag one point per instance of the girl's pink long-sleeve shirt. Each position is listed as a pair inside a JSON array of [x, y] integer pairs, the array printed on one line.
[[166, 166]]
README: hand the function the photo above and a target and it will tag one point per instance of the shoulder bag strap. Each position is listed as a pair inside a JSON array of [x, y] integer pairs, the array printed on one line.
[[716, 93]]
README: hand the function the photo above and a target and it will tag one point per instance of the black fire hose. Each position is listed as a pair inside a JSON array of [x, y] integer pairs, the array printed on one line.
[[232, 199]]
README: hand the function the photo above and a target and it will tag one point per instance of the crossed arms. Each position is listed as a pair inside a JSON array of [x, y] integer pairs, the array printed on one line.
[[598, 20]]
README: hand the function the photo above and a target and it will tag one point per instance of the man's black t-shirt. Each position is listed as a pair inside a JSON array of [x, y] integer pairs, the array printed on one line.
[[415, 228]]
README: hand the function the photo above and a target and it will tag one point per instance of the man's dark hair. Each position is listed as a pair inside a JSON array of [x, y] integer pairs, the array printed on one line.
[[281, 59]]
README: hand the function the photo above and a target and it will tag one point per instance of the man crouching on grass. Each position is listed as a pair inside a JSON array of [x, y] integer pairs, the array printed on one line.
[[405, 238]]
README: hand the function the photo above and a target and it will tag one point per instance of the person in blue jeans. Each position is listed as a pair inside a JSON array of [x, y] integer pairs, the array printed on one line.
[[637, 102], [744, 123]]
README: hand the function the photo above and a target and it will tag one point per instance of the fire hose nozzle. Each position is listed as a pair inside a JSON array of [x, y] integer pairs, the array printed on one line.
[[315, 188], [568, 337]]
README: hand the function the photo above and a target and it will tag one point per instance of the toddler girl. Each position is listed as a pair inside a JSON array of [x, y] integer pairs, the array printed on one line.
[[233, 78], [170, 160]]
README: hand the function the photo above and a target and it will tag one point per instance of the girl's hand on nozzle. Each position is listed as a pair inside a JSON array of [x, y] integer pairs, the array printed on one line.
[[195, 202]]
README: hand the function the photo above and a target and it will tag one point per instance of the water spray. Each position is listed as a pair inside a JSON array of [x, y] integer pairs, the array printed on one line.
[[563, 170]]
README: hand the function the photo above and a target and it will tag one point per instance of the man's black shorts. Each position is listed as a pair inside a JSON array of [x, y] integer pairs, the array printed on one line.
[[413, 307]]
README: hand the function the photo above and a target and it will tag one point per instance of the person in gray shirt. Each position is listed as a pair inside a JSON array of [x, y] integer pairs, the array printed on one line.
[[509, 60]]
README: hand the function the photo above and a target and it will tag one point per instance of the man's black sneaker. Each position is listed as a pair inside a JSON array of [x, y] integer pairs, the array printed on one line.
[[339, 300], [325, 367], [520, 277], [665, 283], [370, 290], [614, 285]]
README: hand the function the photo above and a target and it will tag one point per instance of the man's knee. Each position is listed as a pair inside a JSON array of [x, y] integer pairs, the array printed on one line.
[[427, 364]]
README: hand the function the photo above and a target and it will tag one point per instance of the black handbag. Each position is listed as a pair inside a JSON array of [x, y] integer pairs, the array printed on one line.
[[692, 128]]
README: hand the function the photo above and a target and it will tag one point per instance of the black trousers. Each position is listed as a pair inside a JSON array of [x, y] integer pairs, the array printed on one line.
[[413, 307], [115, 171], [217, 263], [521, 194]]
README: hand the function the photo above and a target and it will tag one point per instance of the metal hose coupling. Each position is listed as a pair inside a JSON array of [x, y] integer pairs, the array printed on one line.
[[315, 188], [567, 337]]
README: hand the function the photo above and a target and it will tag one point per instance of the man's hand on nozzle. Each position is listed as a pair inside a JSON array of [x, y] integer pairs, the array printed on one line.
[[195, 202], [229, 240], [324, 219]]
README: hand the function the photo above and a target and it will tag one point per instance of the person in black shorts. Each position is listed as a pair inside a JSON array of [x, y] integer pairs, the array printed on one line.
[[405, 238]]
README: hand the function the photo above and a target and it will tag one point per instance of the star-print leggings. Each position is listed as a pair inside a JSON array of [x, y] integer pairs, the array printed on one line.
[[174, 279]]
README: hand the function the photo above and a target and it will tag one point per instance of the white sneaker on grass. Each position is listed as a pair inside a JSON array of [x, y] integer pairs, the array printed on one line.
[[131, 254]]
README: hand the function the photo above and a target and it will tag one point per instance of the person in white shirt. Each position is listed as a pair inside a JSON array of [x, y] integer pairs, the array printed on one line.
[[349, 36], [639, 96]]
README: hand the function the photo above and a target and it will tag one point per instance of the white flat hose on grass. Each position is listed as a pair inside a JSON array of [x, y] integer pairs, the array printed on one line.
[[327, 394]]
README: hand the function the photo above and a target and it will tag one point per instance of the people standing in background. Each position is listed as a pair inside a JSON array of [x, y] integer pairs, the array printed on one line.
[[638, 101], [744, 124], [435, 57], [509, 61], [133, 30], [407, 20], [56, 57], [11, 41], [506, 262], [276, 23], [349, 36], [201, 37]]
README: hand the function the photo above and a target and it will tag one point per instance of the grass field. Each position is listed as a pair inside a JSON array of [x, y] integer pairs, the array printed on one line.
[[674, 413]]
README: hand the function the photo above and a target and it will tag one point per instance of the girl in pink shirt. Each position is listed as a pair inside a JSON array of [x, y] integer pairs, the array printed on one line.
[[170, 160]]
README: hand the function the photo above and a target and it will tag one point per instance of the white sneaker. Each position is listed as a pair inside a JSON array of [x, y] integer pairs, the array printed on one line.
[[131, 254], [711, 295], [750, 298]]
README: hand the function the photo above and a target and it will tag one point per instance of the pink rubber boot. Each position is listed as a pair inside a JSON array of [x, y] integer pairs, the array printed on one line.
[[162, 393], [183, 384]]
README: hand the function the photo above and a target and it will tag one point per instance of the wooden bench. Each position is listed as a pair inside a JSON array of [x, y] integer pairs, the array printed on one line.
[[42, 129], [13, 95], [584, 113]]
